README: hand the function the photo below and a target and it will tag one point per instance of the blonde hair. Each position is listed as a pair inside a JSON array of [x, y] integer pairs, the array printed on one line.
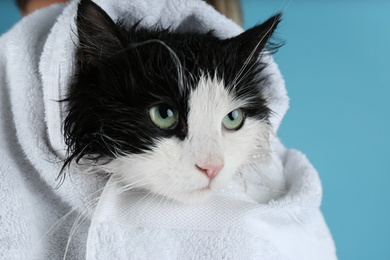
[[230, 8]]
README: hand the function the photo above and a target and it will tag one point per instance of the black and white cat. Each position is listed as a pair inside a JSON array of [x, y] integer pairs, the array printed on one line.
[[178, 114]]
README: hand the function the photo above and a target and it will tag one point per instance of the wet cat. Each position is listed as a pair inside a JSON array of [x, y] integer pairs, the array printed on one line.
[[176, 113]]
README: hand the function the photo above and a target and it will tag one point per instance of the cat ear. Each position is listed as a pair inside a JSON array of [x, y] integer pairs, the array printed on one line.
[[98, 35], [255, 39]]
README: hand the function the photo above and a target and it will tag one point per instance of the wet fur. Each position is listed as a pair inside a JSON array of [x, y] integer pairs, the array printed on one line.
[[122, 72]]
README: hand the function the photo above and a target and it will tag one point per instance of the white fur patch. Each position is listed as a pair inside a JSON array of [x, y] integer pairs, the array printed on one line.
[[170, 169]]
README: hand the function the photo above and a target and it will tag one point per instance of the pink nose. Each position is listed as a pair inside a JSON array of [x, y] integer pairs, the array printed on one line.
[[210, 170]]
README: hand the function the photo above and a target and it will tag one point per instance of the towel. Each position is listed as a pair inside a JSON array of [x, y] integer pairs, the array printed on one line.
[[86, 217]]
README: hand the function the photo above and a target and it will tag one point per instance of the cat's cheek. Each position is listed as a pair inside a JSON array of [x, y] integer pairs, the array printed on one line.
[[166, 170], [251, 140]]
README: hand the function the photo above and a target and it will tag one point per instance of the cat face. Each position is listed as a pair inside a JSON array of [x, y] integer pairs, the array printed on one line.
[[175, 113], [205, 160]]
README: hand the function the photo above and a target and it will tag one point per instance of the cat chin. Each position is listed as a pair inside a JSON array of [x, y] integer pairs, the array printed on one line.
[[198, 195]]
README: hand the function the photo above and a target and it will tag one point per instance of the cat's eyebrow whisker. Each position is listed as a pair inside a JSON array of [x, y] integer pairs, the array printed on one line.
[[260, 64], [239, 78], [176, 60], [286, 6], [249, 58]]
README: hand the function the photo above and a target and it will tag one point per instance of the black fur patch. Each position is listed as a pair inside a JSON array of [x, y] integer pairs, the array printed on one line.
[[123, 72]]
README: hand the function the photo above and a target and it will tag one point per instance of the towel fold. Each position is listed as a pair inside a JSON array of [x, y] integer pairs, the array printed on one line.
[[228, 226], [40, 221]]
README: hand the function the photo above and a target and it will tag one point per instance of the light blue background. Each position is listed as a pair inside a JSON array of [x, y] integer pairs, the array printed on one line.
[[336, 66]]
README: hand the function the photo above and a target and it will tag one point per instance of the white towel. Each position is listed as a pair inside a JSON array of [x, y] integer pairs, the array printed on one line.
[[37, 219], [229, 226]]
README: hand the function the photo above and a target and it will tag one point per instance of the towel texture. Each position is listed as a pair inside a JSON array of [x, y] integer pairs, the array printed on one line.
[[86, 217]]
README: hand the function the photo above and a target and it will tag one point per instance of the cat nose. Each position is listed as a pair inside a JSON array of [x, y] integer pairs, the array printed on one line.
[[210, 170]]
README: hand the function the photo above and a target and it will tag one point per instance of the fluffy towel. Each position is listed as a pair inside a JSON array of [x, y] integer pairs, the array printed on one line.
[[40, 221]]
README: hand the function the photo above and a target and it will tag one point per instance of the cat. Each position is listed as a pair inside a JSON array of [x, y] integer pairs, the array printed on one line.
[[178, 114]]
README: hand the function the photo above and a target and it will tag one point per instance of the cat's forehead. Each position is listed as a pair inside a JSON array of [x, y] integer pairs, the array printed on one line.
[[212, 96], [208, 104], [197, 53], [170, 62]]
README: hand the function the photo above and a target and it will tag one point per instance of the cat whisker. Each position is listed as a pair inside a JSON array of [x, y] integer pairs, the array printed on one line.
[[144, 202], [260, 63], [81, 217], [78, 221], [82, 213], [124, 72], [179, 66], [135, 185]]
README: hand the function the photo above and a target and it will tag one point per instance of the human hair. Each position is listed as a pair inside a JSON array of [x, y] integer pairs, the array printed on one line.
[[230, 8], [21, 4]]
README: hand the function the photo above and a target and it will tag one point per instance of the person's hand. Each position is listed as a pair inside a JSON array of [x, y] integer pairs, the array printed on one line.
[[28, 6]]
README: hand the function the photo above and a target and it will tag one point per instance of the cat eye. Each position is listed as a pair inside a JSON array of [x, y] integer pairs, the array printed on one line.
[[164, 116], [234, 120]]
